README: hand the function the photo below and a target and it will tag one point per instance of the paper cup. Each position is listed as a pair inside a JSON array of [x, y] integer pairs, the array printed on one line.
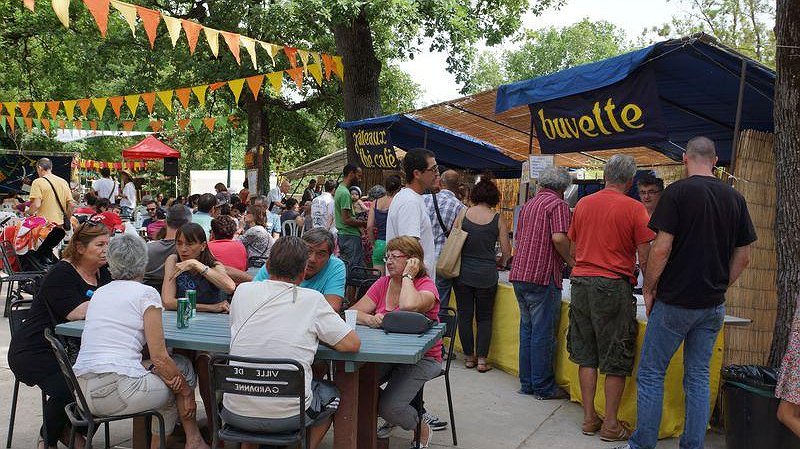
[[351, 317]]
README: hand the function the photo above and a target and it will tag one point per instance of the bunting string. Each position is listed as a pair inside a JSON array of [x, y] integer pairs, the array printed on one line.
[[89, 164], [11, 125]]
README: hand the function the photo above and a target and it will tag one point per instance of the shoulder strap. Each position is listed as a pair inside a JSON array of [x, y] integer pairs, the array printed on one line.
[[460, 218], [58, 200], [113, 187], [439, 216]]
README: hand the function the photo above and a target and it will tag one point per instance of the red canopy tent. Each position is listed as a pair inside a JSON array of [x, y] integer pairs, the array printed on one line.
[[150, 148]]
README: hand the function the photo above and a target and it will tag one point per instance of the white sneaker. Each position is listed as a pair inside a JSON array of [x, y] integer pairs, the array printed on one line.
[[385, 430]]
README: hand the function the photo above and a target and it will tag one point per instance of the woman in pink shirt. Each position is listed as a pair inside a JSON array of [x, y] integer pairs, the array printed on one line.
[[406, 287], [229, 252]]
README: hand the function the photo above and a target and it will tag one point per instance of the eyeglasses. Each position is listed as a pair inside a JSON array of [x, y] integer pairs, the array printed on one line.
[[434, 169], [389, 257], [151, 209], [648, 192], [89, 223]]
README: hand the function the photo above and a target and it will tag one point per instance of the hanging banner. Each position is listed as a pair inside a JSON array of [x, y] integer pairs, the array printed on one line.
[[621, 115], [17, 170], [374, 149]]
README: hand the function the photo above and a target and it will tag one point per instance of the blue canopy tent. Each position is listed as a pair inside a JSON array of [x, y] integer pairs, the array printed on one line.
[[452, 149], [702, 88]]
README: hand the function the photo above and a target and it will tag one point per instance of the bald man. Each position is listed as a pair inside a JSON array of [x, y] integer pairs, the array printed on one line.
[[702, 246], [443, 198]]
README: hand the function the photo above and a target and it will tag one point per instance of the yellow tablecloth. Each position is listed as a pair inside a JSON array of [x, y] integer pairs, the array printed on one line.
[[504, 354]]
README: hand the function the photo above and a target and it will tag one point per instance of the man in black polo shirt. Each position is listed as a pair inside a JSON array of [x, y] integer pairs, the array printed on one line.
[[703, 244]]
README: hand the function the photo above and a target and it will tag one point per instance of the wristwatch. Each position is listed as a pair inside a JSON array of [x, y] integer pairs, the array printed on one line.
[[406, 275]]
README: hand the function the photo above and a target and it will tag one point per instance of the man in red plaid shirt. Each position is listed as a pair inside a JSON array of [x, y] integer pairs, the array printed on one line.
[[542, 249]]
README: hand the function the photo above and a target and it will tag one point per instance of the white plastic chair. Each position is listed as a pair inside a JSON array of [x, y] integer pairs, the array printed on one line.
[[290, 227]]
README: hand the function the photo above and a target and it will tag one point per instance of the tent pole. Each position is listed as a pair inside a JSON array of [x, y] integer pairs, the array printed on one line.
[[230, 152], [738, 122], [425, 139]]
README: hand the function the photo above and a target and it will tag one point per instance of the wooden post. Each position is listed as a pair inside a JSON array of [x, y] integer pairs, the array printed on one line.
[[345, 423]]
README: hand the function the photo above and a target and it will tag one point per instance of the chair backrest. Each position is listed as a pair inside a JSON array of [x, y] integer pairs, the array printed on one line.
[[358, 275], [7, 248], [449, 316], [275, 378], [290, 228], [69, 375], [18, 313]]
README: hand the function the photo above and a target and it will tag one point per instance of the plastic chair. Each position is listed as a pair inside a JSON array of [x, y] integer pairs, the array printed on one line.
[[78, 411], [361, 279], [288, 381], [14, 279], [290, 227], [19, 312]]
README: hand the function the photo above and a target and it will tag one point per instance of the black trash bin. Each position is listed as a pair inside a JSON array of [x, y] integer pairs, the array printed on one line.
[[750, 410]]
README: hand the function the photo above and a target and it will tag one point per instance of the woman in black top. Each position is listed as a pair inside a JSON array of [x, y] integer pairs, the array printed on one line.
[[63, 296]]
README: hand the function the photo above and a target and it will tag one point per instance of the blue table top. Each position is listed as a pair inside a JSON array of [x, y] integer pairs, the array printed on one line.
[[211, 332]]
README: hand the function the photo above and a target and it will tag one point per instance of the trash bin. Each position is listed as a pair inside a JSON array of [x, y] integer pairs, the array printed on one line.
[[750, 409]]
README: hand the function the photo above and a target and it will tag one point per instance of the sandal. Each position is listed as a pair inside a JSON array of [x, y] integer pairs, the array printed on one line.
[[483, 366], [590, 428], [470, 362], [621, 433]]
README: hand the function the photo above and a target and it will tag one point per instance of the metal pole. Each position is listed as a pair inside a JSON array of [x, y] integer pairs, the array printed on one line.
[[230, 152], [737, 123]]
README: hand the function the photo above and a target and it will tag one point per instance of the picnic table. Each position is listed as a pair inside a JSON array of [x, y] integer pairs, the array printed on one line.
[[355, 422]]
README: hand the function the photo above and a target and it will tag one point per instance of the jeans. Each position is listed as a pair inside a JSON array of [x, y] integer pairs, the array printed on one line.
[[351, 251], [478, 303], [540, 313], [667, 328], [444, 286]]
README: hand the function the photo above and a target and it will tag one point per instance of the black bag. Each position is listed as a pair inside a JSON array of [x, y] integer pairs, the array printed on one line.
[[404, 322]]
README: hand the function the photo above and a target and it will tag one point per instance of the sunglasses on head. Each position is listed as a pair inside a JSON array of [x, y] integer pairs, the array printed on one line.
[[89, 223]]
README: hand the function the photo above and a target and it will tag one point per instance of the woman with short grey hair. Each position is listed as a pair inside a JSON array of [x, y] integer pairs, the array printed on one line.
[[122, 317]]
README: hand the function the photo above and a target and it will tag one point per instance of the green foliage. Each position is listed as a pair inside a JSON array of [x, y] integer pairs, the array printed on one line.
[[546, 51]]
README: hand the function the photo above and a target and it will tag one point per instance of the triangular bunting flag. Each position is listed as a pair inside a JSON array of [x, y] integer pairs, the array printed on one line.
[[84, 104], [46, 125], [209, 122], [291, 53], [315, 70], [156, 125], [28, 4], [250, 46], [128, 13], [99, 10], [232, 39], [192, 31], [61, 124], [236, 87], [214, 86], [116, 104], [99, 106], [271, 49], [183, 96], [149, 101], [78, 124], [338, 67], [53, 106], [24, 107], [21, 122], [328, 62], [166, 98], [212, 37], [113, 126], [254, 83], [11, 108], [150, 20], [200, 93], [143, 125], [297, 75], [3, 122], [276, 80], [221, 121], [61, 8], [303, 56], [128, 125], [93, 125], [28, 123], [11, 123], [182, 124], [133, 102], [37, 123], [38, 106], [169, 124], [197, 124], [69, 108], [173, 28]]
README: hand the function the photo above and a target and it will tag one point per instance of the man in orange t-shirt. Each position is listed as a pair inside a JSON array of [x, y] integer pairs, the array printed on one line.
[[608, 230]]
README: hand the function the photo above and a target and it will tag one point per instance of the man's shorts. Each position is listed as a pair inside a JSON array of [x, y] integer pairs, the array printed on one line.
[[602, 324]]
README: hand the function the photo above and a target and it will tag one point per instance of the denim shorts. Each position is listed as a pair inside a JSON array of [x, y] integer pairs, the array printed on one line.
[[602, 325]]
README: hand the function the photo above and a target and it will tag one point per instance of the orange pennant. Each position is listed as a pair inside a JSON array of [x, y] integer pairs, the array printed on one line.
[[53, 106], [24, 107], [29, 4], [254, 83], [291, 53], [93, 125], [156, 125], [62, 124], [328, 62], [128, 125], [83, 104], [182, 123], [209, 122], [99, 10], [232, 39], [297, 75], [78, 124], [183, 96], [46, 125], [214, 86], [116, 104], [10, 122], [192, 31], [149, 101], [150, 20], [28, 123]]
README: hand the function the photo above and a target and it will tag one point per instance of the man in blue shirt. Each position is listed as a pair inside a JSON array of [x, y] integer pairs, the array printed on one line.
[[325, 272], [205, 207]]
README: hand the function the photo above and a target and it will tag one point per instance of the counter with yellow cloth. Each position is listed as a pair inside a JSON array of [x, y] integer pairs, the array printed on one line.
[[504, 354]]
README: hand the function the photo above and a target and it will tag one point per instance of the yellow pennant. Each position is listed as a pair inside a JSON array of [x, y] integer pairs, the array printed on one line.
[[69, 108], [200, 93], [338, 67], [212, 37], [128, 13], [236, 87], [173, 27], [38, 106], [276, 81], [166, 98], [316, 72], [61, 8], [250, 46], [304, 57], [99, 105], [271, 49], [133, 102], [11, 109]]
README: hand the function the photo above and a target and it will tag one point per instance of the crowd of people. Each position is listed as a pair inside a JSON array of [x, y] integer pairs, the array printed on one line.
[[231, 249]]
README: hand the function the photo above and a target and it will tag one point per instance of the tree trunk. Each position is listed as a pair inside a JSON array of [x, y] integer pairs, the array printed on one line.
[[258, 140], [361, 90], [787, 163]]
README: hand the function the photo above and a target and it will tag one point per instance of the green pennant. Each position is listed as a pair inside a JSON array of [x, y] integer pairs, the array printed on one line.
[[3, 122], [21, 122], [37, 123], [221, 121], [143, 125], [112, 126], [197, 124], [169, 124]]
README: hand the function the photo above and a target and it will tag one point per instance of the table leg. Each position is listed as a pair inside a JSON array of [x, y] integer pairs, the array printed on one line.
[[141, 433], [345, 421], [368, 407]]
